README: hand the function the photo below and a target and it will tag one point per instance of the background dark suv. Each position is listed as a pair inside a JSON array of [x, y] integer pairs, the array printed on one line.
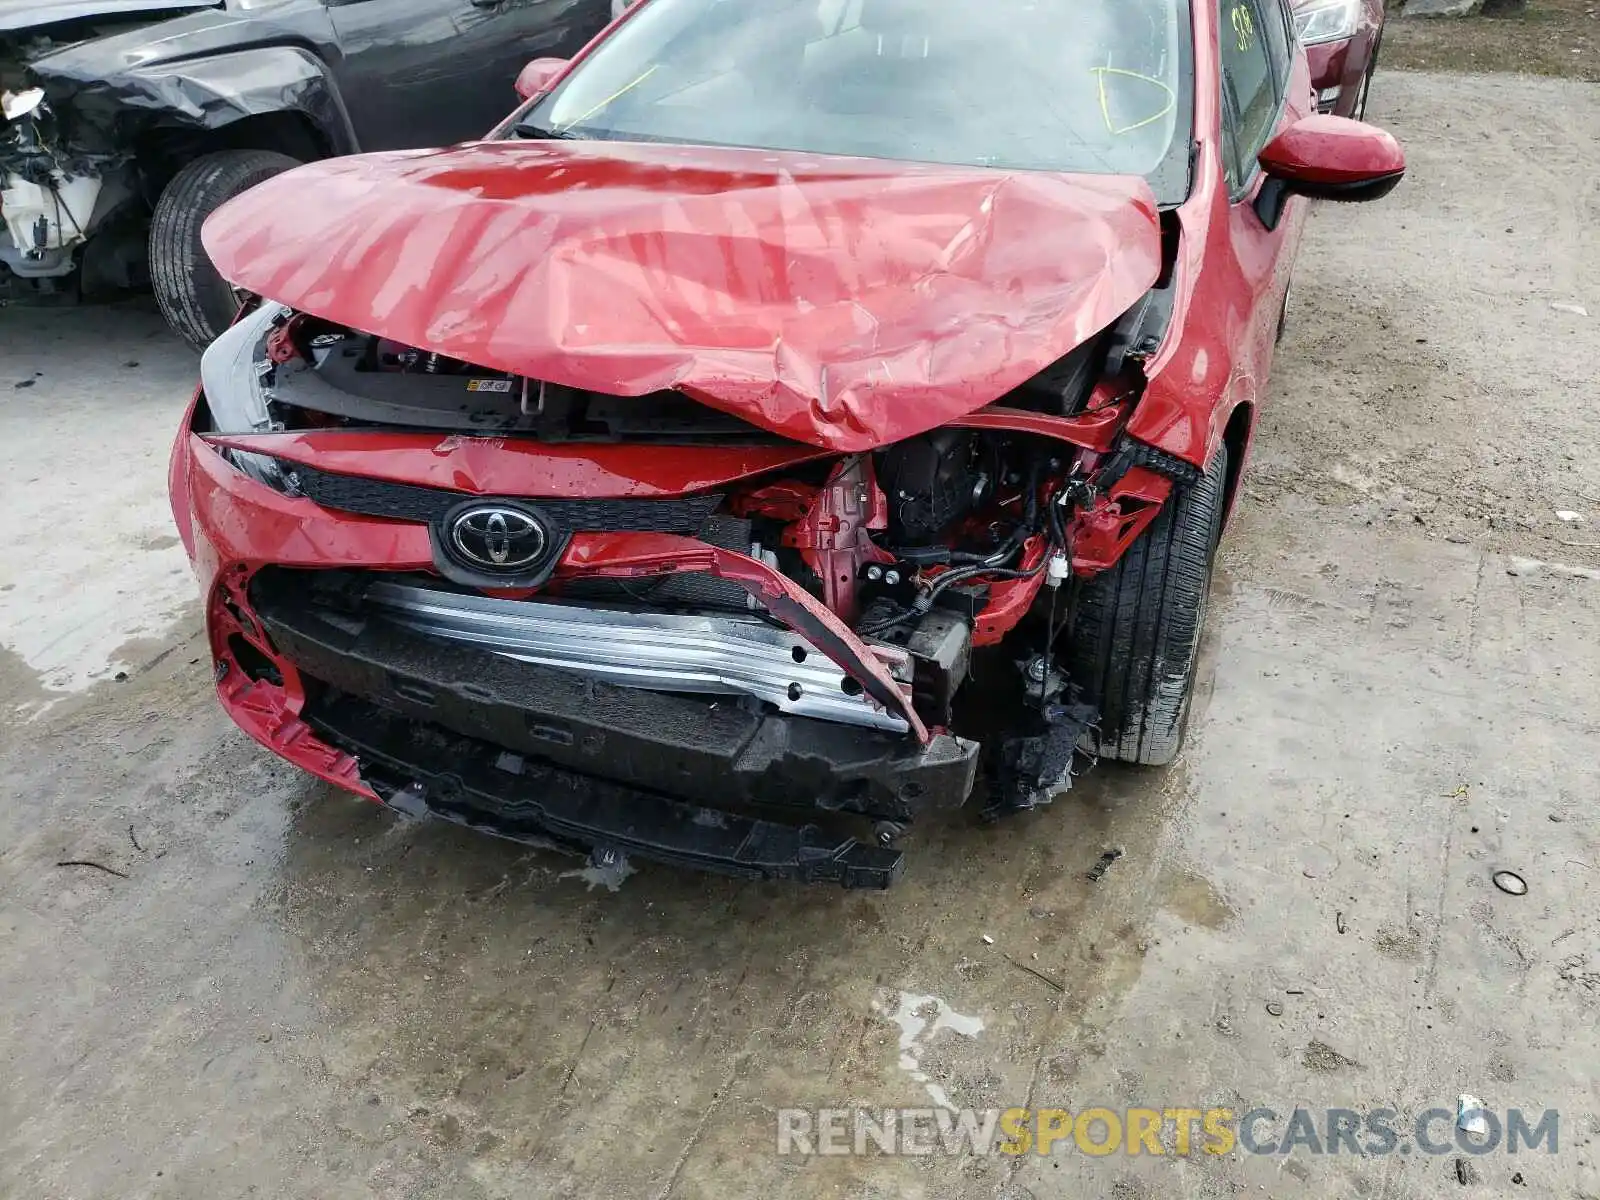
[[128, 121]]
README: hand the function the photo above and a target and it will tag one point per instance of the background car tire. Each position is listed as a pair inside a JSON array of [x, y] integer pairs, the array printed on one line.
[[196, 301], [1137, 630]]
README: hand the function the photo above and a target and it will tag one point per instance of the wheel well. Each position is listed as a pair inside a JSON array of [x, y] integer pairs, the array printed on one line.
[[1237, 439], [165, 151]]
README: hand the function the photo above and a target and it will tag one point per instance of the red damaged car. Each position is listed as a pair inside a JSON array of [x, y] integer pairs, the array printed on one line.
[[800, 416]]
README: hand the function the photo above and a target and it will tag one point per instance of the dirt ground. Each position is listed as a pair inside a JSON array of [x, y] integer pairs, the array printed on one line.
[[1548, 37], [281, 992]]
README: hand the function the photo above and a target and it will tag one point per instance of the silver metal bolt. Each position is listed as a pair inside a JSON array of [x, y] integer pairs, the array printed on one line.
[[875, 573], [891, 577], [1037, 666]]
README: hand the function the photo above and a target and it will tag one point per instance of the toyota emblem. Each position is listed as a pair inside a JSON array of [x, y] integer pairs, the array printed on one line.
[[497, 538]]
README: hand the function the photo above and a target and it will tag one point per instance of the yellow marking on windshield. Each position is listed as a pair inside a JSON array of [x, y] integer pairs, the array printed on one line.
[[616, 95], [1244, 28], [1105, 101]]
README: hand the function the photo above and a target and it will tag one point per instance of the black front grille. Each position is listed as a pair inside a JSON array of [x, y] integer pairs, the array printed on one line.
[[408, 502]]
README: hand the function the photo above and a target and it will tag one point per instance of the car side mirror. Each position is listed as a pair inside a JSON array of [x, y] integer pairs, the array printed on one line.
[[1327, 158], [1335, 158], [537, 77]]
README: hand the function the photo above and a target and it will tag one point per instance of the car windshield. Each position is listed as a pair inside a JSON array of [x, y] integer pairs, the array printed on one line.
[[1097, 86]]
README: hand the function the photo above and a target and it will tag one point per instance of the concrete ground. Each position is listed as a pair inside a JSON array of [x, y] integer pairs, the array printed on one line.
[[285, 993]]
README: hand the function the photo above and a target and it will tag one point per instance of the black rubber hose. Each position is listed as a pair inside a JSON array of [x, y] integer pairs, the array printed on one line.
[[1057, 530], [984, 566], [1019, 535], [924, 603]]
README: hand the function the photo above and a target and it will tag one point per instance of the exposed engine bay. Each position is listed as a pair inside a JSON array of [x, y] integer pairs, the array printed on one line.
[[312, 372], [322, 372]]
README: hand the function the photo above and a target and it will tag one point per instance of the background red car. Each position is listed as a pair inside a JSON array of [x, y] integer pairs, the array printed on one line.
[[797, 407], [1342, 39]]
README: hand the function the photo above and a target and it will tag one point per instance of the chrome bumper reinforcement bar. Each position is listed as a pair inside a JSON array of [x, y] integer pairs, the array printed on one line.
[[662, 652]]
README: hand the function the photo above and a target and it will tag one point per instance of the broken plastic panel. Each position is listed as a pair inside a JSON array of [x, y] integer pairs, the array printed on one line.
[[16, 105]]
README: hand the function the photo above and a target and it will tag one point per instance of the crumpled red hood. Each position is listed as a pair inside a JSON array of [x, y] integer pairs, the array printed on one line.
[[842, 302]]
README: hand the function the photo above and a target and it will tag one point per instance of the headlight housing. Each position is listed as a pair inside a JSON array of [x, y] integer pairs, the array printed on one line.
[[230, 379], [1327, 21]]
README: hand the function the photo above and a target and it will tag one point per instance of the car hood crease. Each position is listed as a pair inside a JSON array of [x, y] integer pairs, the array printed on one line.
[[839, 302]]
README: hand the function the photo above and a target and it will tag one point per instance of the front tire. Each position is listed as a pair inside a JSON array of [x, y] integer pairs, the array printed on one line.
[[196, 301], [1136, 635]]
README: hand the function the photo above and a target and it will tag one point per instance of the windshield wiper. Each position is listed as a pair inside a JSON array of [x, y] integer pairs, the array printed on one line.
[[529, 130]]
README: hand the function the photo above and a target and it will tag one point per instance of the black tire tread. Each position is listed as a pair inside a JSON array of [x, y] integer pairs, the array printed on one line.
[[1137, 629], [193, 297]]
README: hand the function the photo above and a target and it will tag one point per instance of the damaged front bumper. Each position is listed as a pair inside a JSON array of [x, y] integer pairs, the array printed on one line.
[[353, 684], [473, 783], [687, 746], [531, 752]]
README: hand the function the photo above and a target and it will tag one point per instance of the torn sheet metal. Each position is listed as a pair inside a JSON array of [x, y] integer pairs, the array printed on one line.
[[109, 95], [840, 302]]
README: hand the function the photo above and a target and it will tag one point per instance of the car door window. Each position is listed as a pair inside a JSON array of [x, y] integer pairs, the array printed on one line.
[[1279, 28], [1248, 84]]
